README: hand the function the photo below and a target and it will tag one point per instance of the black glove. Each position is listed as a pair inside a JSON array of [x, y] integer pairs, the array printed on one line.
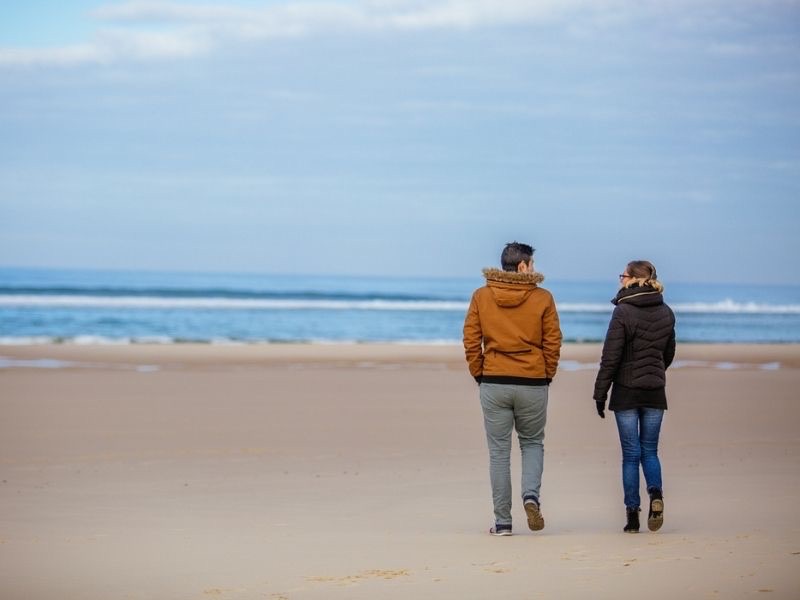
[[601, 408]]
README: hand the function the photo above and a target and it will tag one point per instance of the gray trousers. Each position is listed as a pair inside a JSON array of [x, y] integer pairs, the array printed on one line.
[[506, 407]]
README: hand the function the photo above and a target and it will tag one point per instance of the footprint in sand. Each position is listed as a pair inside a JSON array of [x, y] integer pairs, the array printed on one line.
[[220, 592], [497, 570], [360, 577], [493, 567]]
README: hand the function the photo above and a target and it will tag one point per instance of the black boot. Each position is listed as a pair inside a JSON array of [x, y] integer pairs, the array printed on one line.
[[655, 517], [633, 520]]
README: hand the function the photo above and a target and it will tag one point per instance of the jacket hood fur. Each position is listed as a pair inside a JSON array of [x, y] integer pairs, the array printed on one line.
[[500, 276], [509, 288]]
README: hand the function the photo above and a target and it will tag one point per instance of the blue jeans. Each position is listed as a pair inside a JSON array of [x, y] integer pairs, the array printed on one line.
[[638, 435], [505, 408]]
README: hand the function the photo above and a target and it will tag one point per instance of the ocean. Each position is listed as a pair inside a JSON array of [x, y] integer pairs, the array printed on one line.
[[94, 306]]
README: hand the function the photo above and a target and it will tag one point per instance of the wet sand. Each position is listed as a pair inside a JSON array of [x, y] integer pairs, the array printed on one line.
[[360, 471]]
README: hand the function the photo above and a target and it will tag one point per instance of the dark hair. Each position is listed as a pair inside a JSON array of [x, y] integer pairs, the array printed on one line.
[[515, 253]]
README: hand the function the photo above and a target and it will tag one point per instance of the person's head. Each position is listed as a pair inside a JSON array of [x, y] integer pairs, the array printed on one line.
[[517, 257], [640, 272]]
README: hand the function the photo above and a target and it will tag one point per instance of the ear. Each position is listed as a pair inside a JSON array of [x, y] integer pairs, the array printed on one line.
[[522, 267]]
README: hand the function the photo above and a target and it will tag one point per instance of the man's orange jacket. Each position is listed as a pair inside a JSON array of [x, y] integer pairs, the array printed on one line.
[[511, 332]]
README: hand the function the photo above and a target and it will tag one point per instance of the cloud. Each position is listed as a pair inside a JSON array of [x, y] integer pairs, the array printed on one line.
[[291, 17], [62, 56], [171, 11], [112, 45], [145, 30]]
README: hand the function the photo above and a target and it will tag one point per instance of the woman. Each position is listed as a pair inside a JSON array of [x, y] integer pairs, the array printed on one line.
[[639, 346]]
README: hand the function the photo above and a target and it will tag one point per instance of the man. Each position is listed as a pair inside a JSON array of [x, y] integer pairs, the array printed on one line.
[[512, 342]]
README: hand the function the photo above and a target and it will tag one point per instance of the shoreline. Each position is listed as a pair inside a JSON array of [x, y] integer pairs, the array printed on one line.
[[574, 356], [155, 341]]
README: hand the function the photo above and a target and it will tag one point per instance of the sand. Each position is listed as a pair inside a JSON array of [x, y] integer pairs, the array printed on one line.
[[360, 471]]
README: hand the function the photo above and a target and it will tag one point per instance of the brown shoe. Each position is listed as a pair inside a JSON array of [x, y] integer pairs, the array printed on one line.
[[655, 517], [535, 518]]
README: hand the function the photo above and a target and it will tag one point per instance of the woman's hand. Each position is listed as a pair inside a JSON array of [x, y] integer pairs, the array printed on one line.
[[601, 408]]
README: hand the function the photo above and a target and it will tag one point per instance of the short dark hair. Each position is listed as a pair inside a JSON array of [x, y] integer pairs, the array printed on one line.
[[515, 253]]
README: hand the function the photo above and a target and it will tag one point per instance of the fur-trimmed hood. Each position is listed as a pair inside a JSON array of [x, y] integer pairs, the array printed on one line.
[[492, 274], [510, 288]]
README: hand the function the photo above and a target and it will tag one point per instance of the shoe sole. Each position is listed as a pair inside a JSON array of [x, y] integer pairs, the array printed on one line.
[[535, 518], [656, 518], [501, 533]]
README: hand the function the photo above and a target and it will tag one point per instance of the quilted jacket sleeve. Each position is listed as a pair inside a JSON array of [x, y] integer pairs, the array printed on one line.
[[473, 340], [669, 351], [613, 350]]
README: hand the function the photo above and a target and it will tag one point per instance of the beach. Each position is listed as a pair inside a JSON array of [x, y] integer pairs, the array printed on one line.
[[285, 471]]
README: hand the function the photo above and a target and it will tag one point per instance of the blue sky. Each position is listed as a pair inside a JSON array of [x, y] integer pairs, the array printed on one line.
[[402, 137]]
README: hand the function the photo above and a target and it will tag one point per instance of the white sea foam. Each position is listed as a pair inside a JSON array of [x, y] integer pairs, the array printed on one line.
[[83, 340], [52, 363], [574, 365], [36, 363], [731, 307], [102, 340], [564, 365], [226, 303], [727, 306], [724, 365], [27, 340]]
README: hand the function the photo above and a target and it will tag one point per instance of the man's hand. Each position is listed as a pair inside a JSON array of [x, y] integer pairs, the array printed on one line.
[[601, 408]]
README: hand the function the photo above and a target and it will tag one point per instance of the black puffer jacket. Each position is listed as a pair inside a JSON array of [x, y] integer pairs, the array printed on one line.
[[639, 346]]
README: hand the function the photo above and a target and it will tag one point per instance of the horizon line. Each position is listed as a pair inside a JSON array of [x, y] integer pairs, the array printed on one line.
[[252, 273]]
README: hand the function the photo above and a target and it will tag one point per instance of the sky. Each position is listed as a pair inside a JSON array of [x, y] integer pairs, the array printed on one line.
[[402, 137]]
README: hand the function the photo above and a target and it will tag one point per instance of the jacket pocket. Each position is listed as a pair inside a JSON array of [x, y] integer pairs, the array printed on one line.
[[520, 350]]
